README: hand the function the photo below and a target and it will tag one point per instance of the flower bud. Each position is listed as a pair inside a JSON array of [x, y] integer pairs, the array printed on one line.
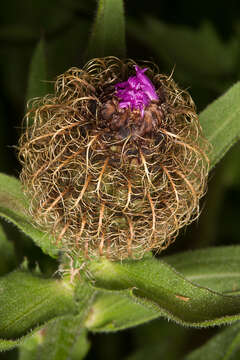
[[114, 162]]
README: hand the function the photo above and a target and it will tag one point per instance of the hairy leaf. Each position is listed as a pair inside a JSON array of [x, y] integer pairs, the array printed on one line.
[[214, 268], [62, 339], [221, 123], [158, 287], [117, 310], [13, 207], [29, 347], [27, 301], [108, 34], [217, 268], [25, 339], [6, 345], [65, 337]]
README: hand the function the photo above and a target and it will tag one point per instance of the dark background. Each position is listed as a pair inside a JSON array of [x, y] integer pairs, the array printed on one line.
[[200, 40]]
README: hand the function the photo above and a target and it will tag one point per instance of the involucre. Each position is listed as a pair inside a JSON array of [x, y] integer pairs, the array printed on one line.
[[114, 162]]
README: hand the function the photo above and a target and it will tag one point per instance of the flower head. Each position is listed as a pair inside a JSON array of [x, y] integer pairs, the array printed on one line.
[[111, 166], [137, 92]]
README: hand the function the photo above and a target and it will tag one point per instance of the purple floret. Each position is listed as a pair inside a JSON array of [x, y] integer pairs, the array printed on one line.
[[137, 92]]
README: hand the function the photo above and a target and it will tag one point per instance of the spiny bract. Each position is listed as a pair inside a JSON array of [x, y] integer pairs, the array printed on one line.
[[107, 179]]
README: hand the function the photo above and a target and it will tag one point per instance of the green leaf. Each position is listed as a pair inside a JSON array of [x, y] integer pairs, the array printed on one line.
[[231, 171], [224, 346], [6, 345], [11, 344], [214, 268], [30, 340], [37, 81], [62, 339], [157, 286], [108, 34], [29, 347], [221, 123], [217, 268], [13, 207], [28, 301], [114, 311], [65, 337], [7, 254], [81, 346]]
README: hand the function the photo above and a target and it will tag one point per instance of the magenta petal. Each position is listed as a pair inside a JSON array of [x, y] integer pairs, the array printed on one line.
[[137, 92], [146, 84]]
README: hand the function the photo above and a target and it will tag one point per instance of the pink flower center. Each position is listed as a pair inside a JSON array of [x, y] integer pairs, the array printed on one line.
[[137, 92]]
